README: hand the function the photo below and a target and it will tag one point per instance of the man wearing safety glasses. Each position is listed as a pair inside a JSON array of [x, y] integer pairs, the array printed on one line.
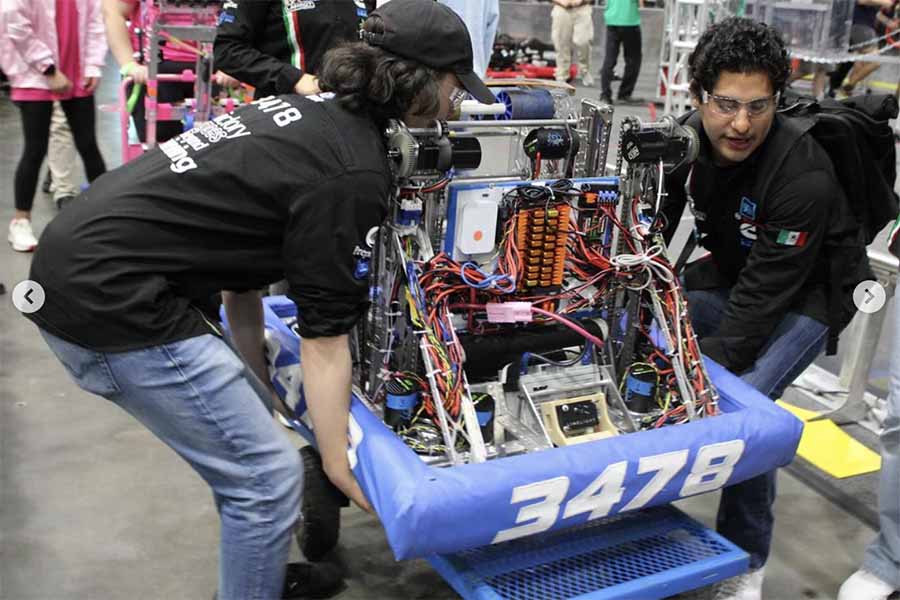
[[770, 211]]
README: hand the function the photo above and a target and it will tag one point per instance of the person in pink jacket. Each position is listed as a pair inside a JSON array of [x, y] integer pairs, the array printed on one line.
[[50, 50]]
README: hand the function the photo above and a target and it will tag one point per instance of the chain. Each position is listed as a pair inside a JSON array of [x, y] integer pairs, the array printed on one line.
[[627, 123], [850, 56]]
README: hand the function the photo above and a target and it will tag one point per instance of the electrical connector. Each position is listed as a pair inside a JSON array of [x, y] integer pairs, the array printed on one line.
[[509, 312], [410, 212]]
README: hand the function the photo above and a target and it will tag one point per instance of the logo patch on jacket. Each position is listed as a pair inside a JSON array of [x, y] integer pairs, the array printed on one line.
[[364, 256], [748, 234], [295, 5], [792, 238], [746, 217], [748, 208]]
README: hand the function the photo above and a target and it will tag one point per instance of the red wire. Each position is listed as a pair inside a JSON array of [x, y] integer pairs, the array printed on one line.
[[443, 285]]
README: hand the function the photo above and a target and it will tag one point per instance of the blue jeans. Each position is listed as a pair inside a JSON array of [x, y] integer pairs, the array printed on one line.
[[745, 510], [883, 555], [198, 397]]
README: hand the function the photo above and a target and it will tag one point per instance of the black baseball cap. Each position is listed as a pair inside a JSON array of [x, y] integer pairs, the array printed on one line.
[[430, 33]]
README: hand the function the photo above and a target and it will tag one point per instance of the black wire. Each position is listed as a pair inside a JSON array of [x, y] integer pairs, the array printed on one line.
[[561, 185], [566, 363]]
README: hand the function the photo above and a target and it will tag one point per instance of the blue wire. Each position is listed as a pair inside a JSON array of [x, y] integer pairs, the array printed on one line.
[[415, 289], [502, 282], [478, 286]]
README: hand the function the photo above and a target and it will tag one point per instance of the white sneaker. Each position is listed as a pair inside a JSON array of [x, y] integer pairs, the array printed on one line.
[[21, 237], [863, 585], [743, 587], [587, 80]]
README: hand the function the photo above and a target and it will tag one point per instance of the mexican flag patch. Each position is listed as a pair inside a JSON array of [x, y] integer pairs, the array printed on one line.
[[792, 238]]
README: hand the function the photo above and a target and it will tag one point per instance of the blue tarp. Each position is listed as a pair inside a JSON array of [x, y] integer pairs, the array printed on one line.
[[427, 510]]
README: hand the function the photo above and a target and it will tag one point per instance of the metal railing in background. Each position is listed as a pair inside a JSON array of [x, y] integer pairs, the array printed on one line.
[[845, 395]]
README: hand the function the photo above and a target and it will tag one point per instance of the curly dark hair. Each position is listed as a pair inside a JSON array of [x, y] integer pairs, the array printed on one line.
[[738, 45], [370, 79]]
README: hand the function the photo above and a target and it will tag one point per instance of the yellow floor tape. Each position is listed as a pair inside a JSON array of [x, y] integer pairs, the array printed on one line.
[[883, 85], [826, 446]]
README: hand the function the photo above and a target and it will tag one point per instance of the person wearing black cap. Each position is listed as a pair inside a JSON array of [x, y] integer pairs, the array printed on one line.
[[287, 187]]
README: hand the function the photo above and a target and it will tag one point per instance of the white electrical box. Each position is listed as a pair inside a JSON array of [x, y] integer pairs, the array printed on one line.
[[476, 224]]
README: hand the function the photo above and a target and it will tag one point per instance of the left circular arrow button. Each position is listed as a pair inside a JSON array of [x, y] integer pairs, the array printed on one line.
[[28, 296]]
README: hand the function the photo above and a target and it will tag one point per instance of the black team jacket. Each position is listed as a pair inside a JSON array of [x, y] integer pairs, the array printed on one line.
[[270, 44], [780, 235]]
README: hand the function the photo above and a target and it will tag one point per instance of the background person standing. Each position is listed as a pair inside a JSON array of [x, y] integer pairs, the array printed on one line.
[[481, 18], [52, 50], [623, 29], [867, 16], [573, 32], [61, 159]]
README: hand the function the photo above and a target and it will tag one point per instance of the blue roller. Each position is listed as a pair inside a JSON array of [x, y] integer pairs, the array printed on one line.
[[526, 104]]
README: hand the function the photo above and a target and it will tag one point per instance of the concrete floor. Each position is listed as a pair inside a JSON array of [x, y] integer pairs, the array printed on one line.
[[92, 507]]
